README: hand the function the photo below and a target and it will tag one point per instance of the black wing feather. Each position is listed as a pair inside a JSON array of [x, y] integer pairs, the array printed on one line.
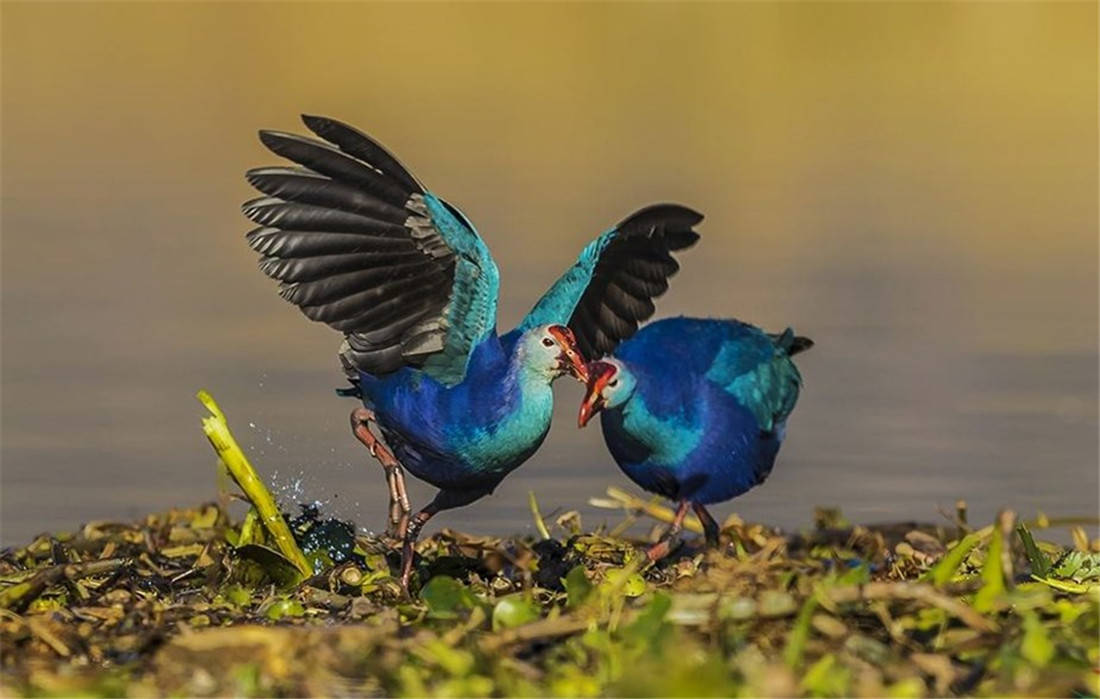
[[632, 270], [358, 144], [326, 160], [292, 269], [378, 280], [295, 184], [292, 216], [292, 244], [347, 235]]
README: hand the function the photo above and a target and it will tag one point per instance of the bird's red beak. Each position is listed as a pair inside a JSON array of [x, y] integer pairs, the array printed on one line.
[[599, 374], [593, 403], [570, 358]]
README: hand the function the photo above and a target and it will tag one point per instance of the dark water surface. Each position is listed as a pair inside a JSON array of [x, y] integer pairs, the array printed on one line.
[[912, 185]]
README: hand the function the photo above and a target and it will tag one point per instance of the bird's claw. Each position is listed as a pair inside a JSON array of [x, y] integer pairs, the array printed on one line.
[[662, 548]]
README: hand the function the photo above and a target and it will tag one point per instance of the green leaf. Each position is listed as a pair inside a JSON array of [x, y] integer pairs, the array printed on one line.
[[992, 576], [630, 584], [1040, 564], [206, 519], [796, 640], [943, 571], [283, 608], [1067, 585], [906, 688], [1078, 566], [320, 561], [827, 678], [455, 661], [577, 586], [274, 564], [650, 620], [858, 575], [236, 595], [446, 596], [514, 610], [1036, 645]]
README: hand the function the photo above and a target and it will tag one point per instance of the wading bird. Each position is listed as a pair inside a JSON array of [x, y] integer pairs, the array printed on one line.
[[695, 410], [358, 243]]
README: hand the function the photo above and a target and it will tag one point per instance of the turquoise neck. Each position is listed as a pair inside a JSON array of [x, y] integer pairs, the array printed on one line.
[[669, 438]]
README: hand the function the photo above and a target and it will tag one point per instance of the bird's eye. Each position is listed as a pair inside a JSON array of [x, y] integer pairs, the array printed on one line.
[[547, 342], [614, 383]]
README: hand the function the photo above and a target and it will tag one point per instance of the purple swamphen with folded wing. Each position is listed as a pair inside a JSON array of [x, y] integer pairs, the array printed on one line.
[[358, 243], [695, 410]]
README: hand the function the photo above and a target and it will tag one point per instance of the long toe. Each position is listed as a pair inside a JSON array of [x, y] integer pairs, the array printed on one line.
[[660, 550], [406, 577]]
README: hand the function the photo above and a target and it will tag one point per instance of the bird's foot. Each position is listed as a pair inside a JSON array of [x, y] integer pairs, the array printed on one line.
[[670, 540], [400, 509], [662, 548], [408, 548]]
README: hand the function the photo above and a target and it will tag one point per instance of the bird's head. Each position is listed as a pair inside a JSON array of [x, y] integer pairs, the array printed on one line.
[[552, 350], [610, 384]]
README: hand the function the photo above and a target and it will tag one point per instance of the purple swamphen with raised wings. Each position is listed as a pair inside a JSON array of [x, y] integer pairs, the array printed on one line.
[[695, 410], [360, 244]]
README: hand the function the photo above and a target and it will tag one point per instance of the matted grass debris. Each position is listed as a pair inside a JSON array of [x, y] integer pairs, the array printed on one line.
[[191, 603]]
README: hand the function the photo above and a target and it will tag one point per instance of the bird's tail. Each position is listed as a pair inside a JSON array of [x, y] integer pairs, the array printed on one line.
[[791, 343]]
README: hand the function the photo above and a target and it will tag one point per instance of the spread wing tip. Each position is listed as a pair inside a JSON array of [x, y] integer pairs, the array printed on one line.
[[674, 223]]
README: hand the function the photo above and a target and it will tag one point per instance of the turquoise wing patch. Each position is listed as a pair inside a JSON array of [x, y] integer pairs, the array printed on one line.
[[557, 304], [760, 376], [470, 315], [610, 289]]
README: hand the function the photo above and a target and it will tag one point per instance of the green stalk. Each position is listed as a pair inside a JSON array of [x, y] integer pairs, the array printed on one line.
[[217, 431], [540, 525]]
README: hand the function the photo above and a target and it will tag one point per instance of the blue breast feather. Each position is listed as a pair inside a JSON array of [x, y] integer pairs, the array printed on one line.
[[467, 436], [709, 411]]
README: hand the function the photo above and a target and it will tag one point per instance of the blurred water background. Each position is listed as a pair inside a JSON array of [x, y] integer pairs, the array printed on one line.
[[914, 185]]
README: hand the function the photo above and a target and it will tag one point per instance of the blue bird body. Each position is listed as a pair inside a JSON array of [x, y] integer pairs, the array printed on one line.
[[357, 242], [699, 406], [468, 436]]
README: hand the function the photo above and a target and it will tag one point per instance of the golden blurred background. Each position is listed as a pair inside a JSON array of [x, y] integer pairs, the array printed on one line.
[[914, 185]]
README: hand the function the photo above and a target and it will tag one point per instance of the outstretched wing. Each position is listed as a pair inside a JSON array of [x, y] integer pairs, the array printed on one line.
[[610, 289], [356, 242]]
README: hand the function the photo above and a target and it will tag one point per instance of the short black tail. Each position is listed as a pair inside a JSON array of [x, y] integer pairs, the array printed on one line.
[[799, 344], [793, 344]]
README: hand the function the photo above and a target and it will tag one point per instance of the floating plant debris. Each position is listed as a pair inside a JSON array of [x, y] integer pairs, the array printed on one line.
[[325, 541], [191, 602]]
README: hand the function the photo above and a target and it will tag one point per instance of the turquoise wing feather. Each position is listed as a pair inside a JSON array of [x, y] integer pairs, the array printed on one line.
[[557, 304], [757, 370], [358, 243], [471, 314], [610, 289]]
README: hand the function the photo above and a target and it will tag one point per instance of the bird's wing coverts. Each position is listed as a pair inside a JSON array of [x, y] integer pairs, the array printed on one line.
[[610, 289], [757, 370], [356, 242]]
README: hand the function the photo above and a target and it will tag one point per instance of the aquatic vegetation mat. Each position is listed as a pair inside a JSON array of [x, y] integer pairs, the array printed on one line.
[[193, 602]]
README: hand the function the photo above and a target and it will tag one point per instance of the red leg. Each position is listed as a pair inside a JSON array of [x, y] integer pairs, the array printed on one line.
[[399, 508], [408, 548], [444, 500], [663, 547], [399, 503]]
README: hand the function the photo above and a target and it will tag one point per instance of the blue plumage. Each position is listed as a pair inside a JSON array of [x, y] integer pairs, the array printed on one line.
[[358, 243], [470, 435], [696, 409]]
